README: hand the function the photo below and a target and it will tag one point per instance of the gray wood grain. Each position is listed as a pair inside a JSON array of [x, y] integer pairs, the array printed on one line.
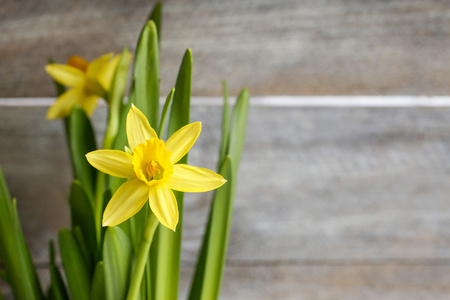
[[273, 47], [332, 203], [325, 282]]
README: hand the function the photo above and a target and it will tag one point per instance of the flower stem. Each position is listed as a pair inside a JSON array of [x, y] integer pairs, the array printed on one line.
[[108, 141], [142, 256], [98, 210]]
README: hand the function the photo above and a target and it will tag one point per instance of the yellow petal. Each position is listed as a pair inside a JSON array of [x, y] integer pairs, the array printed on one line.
[[63, 105], [138, 128], [192, 179], [126, 202], [182, 140], [106, 74], [66, 75], [89, 103], [164, 205], [112, 162], [96, 66]]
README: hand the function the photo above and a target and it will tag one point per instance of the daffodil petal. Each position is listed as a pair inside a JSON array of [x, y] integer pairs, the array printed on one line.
[[112, 162], [63, 105], [192, 179], [182, 140], [66, 75], [106, 74], [89, 103], [96, 66], [164, 205], [138, 128], [126, 202]]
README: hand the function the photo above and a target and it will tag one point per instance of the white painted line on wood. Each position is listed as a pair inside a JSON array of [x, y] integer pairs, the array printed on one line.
[[284, 101]]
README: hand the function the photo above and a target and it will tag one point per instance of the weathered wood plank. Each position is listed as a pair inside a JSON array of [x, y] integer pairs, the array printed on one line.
[[325, 282], [283, 47]]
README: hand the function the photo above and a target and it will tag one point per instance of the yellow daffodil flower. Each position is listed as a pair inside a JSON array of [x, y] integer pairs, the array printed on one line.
[[154, 172], [86, 81]]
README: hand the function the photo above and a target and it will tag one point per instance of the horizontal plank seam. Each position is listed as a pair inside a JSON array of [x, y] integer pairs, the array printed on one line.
[[283, 101]]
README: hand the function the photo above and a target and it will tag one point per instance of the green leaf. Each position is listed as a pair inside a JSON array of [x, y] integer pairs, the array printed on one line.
[[119, 144], [82, 141], [98, 282], [116, 96], [238, 128], [117, 255], [208, 275], [81, 241], [82, 216], [3, 275], [14, 253], [57, 287], [211, 260], [225, 124], [166, 251], [146, 74], [162, 124], [77, 273], [155, 16]]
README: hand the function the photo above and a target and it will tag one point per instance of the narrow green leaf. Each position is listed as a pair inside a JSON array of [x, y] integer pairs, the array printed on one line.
[[199, 273], [51, 252], [119, 144], [146, 74], [77, 273], [98, 282], [162, 124], [57, 287], [221, 213], [82, 215], [211, 260], [209, 269], [238, 128], [225, 124], [166, 252], [180, 112], [117, 255], [3, 275], [14, 253], [116, 96], [82, 141], [156, 17], [87, 255]]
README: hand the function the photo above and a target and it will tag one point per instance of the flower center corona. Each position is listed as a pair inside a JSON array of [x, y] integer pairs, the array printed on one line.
[[154, 171], [151, 162]]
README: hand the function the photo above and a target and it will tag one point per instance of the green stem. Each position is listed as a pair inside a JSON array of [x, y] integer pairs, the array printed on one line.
[[108, 142], [144, 248], [99, 192]]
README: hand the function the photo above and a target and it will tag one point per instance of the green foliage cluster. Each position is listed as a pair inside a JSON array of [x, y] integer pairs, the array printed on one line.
[[99, 263]]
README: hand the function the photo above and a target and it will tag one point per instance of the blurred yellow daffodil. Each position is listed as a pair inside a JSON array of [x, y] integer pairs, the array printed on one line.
[[152, 167], [87, 81]]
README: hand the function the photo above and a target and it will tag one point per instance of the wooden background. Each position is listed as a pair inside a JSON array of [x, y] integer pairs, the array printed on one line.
[[284, 47], [333, 203]]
